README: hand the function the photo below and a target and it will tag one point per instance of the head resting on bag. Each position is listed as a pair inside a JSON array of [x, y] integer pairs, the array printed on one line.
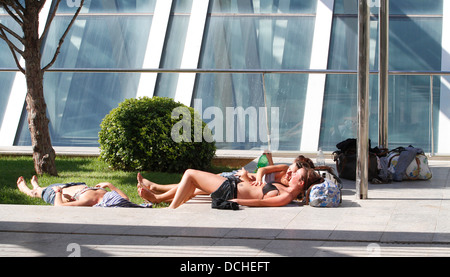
[[310, 177]]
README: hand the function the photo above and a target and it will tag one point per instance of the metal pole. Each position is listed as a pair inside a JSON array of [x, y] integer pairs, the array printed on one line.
[[269, 138], [432, 114], [362, 169], [383, 79]]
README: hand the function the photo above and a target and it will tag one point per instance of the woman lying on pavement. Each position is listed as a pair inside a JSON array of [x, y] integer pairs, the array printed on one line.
[[234, 189], [280, 173], [157, 193], [77, 194]]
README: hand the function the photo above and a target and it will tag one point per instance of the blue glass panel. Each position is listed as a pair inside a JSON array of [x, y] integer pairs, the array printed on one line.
[[77, 102], [264, 41], [173, 51], [416, 7], [220, 102], [415, 45], [6, 61], [270, 6], [99, 42], [409, 111], [108, 6], [396, 7]]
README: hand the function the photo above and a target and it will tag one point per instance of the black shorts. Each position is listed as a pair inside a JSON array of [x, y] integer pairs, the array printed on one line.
[[228, 189]]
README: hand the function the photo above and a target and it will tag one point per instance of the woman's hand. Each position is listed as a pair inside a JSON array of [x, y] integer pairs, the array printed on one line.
[[242, 172], [257, 183], [244, 175], [57, 189], [104, 185]]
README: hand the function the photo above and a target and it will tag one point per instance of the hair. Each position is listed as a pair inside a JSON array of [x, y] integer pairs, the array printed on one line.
[[302, 161], [312, 176]]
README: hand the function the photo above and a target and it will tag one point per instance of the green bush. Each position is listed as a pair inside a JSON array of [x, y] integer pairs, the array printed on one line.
[[142, 134]]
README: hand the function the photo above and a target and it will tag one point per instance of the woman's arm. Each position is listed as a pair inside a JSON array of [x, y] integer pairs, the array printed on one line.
[[59, 201], [267, 170], [276, 201], [112, 187]]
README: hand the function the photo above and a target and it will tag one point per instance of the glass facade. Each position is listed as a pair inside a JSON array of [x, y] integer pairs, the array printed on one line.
[[257, 35], [107, 34], [6, 61], [414, 45]]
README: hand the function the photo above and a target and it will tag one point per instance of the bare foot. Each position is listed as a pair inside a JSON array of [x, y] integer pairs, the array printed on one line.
[[146, 183], [34, 182], [22, 185], [146, 194], [140, 179]]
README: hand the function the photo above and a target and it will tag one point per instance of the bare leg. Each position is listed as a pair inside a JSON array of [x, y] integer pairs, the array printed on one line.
[[152, 186], [145, 192], [22, 185], [192, 180], [168, 196]]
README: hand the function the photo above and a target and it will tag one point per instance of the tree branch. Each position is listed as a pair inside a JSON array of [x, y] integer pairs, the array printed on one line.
[[13, 49], [7, 9], [61, 41], [22, 8], [14, 34], [8, 41], [49, 23], [18, 9]]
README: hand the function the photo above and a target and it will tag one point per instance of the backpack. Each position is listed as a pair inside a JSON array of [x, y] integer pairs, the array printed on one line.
[[326, 194], [346, 160]]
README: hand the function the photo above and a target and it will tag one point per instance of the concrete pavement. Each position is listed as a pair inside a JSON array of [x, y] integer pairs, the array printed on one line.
[[398, 219]]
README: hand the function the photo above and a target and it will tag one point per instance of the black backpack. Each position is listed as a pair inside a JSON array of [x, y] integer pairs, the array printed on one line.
[[346, 159]]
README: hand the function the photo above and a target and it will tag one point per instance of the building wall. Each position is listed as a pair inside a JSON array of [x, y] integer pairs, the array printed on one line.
[[247, 111]]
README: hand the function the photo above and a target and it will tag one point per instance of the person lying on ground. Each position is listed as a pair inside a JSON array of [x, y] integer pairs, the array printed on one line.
[[77, 194], [280, 174], [157, 193], [232, 189]]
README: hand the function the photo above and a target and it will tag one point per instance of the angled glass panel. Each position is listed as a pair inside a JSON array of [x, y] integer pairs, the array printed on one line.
[[415, 45], [166, 84], [108, 6], [7, 61], [258, 35], [77, 102], [416, 7]]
